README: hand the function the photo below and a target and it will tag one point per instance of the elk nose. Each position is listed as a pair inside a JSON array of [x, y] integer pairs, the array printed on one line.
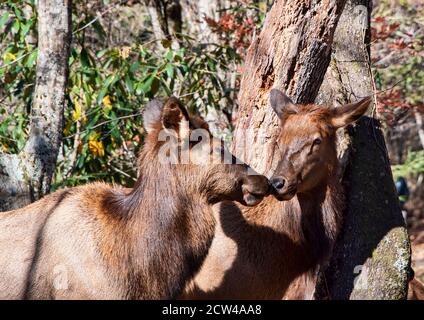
[[278, 183]]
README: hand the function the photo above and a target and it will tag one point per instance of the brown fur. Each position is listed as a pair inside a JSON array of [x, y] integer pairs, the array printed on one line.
[[415, 290], [102, 242], [273, 251]]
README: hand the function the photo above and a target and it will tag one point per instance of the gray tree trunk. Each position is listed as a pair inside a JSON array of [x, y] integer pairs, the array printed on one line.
[[195, 12], [166, 19], [27, 176], [371, 259], [420, 126], [194, 16]]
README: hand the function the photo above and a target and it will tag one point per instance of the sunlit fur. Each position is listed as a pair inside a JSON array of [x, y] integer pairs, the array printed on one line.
[[415, 290], [105, 242], [273, 251], [304, 163]]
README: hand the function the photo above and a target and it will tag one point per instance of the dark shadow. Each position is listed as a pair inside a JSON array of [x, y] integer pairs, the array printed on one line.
[[372, 212], [273, 259]]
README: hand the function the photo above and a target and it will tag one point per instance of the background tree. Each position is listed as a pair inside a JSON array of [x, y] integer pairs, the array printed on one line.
[[28, 175], [166, 18], [374, 244], [398, 62]]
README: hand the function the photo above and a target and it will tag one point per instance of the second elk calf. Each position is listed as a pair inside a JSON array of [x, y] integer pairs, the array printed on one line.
[[273, 251]]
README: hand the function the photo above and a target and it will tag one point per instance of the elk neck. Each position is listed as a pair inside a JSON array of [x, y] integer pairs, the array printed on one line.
[[310, 221], [157, 228]]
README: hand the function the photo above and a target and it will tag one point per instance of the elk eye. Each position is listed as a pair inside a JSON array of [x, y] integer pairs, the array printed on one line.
[[317, 141]]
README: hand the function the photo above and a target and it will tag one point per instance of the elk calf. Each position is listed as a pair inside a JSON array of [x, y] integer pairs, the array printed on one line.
[[273, 251], [99, 242]]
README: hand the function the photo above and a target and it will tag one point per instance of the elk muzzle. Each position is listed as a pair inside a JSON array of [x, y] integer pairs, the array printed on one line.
[[254, 188], [282, 188]]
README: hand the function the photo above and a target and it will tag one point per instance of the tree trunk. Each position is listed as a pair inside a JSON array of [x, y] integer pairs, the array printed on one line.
[[291, 53], [195, 12], [166, 18], [371, 259], [27, 176], [160, 30], [194, 15], [420, 127]]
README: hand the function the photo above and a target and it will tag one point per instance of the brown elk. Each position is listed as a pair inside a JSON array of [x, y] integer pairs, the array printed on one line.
[[98, 242], [273, 251]]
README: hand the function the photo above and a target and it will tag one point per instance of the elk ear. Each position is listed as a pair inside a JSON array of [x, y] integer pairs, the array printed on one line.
[[281, 103], [175, 116], [349, 113], [152, 114]]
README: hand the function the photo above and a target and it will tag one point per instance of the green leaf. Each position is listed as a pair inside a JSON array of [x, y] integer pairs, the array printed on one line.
[[154, 87], [134, 67], [99, 29], [169, 70], [25, 28], [18, 13], [4, 18], [101, 53], [102, 94], [146, 86], [16, 26], [85, 58], [30, 60], [169, 55], [107, 83], [129, 84]]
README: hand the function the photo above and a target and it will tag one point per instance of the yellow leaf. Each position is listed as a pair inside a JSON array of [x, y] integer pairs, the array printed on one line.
[[106, 103], [9, 57], [106, 100], [263, 6], [96, 147], [76, 114]]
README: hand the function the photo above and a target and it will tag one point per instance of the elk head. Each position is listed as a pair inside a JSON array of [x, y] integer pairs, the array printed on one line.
[[200, 163], [306, 142]]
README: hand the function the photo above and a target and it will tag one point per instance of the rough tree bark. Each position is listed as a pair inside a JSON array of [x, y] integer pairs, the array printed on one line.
[[291, 53], [195, 12], [371, 257], [166, 18], [27, 176], [420, 126]]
